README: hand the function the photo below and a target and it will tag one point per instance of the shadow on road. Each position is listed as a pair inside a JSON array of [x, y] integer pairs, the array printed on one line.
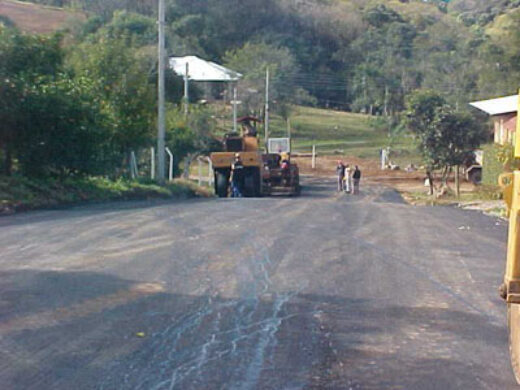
[[62, 330], [92, 209]]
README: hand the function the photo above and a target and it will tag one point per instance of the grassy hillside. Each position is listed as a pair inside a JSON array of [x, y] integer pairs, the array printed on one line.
[[36, 18], [502, 26], [351, 134]]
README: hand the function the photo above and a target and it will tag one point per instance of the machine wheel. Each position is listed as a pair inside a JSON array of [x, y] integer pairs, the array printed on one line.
[[513, 322], [252, 182], [297, 186], [221, 184]]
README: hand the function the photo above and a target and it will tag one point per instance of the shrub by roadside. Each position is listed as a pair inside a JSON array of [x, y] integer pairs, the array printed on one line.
[[22, 193], [482, 193]]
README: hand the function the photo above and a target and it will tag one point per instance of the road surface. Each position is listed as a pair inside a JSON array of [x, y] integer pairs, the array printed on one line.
[[325, 291]]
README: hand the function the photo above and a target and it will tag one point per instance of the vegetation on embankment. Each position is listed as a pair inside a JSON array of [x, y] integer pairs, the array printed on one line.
[[345, 133], [22, 193]]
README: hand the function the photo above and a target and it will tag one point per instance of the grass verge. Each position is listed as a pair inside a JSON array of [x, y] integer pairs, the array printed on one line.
[[482, 193], [22, 193]]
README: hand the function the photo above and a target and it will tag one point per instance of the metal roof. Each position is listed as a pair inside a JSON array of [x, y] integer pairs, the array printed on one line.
[[503, 105], [202, 70]]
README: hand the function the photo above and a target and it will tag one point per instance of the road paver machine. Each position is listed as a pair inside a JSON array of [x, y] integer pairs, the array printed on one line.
[[264, 173]]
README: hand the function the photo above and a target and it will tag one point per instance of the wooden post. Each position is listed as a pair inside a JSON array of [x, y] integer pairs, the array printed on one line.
[[457, 181]]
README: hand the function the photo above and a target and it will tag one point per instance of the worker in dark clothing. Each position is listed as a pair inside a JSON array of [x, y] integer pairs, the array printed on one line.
[[340, 172], [356, 176], [237, 177], [285, 167]]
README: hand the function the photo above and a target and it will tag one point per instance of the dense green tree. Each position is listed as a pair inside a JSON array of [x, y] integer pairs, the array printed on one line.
[[189, 137], [121, 81], [23, 59], [446, 138], [61, 130], [252, 60], [49, 122]]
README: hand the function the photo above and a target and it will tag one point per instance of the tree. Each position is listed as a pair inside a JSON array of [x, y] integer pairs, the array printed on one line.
[[23, 59], [446, 137], [62, 129], [190, 137], [454, 138], [51, 123], [127, 98], [252, 60]]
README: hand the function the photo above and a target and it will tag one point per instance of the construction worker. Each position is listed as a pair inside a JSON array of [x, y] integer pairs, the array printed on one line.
[[237, 177], [248, 129], [348, 179], [356, 176], [340, 172], [285, 166]]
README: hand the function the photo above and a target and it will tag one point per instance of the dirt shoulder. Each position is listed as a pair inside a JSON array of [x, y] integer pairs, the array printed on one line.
[[409, 184]]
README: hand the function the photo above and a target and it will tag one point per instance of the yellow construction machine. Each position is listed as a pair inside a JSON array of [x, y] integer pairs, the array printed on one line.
[[510, 289], [264, 173], [246, 144]]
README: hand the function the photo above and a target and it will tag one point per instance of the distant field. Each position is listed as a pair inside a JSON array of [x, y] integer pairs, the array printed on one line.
[[36, 18], [337, 132], [344, 133]]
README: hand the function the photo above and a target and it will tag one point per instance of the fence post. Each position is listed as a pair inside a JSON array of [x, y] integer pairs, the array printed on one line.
[[200, 170], [171, 163], [313, 156], [133, 165], [152, 163]]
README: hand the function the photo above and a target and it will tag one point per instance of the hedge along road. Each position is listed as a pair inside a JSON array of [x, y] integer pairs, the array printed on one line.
[[325, 291]]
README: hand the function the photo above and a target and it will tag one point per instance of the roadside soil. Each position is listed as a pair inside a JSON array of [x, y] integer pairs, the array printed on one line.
[[406, 183], [400, 179]]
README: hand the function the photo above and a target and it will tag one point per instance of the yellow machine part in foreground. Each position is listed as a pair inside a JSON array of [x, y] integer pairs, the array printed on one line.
[[510, 182], [510, 290]]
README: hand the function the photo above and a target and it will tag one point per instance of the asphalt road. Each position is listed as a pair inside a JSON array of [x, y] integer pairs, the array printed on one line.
[[324, 291]]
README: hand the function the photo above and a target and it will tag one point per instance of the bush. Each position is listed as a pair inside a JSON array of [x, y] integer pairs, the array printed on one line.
[[493, 163]]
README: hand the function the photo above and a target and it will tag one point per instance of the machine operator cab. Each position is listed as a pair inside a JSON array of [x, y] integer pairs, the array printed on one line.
[[246, 140]]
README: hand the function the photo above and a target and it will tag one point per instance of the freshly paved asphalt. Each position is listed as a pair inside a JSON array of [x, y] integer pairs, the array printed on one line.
[[324, 291]]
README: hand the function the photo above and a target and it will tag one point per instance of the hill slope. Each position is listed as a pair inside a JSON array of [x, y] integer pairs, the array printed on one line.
[[36, 18]]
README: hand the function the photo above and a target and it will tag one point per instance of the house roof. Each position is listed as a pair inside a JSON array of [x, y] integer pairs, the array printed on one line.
[[503, 105], [202, 70]]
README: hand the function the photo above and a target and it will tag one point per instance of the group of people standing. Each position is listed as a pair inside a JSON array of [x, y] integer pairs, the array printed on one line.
[[348, 178]]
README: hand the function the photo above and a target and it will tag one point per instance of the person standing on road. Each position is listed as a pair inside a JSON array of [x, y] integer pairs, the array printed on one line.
[[356, 177], [237, 177], [348, 179], [340, 172]]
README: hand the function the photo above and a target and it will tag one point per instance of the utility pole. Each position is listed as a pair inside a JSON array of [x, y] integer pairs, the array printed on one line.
[[186, 90], [235, 102], [266, 124], [387, 93], [161, 122]]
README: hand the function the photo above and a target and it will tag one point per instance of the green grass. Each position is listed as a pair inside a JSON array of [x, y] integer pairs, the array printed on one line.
[[332, 131], [482, 193], [22, 193], [353, 134]]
